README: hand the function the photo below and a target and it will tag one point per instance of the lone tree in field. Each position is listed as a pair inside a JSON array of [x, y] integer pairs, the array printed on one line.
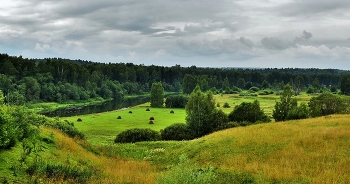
[[282, 108], [157, 95], [201, 115]]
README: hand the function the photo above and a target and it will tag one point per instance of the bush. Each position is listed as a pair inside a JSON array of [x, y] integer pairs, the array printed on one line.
[[326, 104], [254, 89], [130, 112], [218, 104], [119, 117], [79, 120], [300, 112], [176, 101], [151, 122], [248, 112], [137, 135], [172, 112], [226, 105], [151, 118], [177, 131], [147, 109]]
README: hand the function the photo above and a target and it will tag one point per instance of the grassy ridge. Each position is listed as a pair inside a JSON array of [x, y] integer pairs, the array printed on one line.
[[305, 151]]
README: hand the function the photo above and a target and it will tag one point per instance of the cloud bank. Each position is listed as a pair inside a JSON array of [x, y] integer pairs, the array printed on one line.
[[274, 33]]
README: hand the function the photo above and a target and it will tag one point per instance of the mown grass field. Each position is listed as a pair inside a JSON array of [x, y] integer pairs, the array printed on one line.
[[102, 128]]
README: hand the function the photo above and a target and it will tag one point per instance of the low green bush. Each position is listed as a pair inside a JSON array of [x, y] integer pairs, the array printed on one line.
[[226, 105], [177, 131], [137, 135]]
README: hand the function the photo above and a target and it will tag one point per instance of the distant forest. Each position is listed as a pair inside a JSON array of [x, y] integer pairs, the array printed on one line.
[[25, 80]]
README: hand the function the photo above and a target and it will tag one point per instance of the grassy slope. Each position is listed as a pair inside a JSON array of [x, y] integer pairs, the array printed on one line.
[[103, 127], [313, 150], [72, 154], [304, 151]]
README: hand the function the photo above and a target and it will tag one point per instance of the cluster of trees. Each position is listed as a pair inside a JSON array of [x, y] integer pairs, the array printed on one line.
[[17, 124], [324, 104], [55, 79]]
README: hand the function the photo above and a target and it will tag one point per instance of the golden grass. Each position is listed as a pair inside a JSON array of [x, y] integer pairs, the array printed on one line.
[[313, 150], [107, 170]]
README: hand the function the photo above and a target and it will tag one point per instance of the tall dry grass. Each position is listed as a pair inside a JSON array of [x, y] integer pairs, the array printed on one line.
[[106, 170], [313, 150]]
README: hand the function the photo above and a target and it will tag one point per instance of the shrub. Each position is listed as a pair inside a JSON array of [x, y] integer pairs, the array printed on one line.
[[226, 105], [151, 118], [177, 131], [326, 104], [130, 112], [254, 89], [137, 135], [119, 117], [249, 112], [79, 120], [147, 109], [151, 122], [176, 101], [300, 112], [172, 112], [218, 104]]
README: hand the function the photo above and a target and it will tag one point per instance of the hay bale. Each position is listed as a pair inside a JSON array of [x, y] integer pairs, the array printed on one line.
[[151, 122], [151, 118]]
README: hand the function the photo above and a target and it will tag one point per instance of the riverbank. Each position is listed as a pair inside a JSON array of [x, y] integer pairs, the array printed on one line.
[[46, 107]]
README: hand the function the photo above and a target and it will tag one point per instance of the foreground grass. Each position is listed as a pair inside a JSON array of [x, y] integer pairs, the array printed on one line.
[[102, 128], [65, 160]]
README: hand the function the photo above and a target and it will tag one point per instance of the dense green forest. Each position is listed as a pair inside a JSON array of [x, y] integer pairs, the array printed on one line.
[[58, 80]]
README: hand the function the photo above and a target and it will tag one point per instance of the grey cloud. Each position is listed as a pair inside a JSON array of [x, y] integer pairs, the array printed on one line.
[[307, 35], [276, 43], [218, 46], [304, 8], [304, 37]]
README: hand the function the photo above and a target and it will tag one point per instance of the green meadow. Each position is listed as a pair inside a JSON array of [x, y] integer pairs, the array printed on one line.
[[102, 128]]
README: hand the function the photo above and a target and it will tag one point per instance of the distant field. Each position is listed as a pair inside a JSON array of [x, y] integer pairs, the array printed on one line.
[[103, 127], [267, 102]]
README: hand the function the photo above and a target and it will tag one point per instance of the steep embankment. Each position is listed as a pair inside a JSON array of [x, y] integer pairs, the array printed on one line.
[[312, 150]]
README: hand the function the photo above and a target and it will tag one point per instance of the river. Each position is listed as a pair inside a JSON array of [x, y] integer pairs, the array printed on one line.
[[97, 108]]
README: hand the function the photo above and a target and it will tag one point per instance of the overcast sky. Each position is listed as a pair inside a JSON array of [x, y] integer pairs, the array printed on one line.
[[205, 33]]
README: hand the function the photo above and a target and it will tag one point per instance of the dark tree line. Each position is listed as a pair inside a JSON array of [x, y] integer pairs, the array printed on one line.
[[55, 79]]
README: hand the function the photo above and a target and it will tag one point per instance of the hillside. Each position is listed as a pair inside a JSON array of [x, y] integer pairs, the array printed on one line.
[[304, 151]]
